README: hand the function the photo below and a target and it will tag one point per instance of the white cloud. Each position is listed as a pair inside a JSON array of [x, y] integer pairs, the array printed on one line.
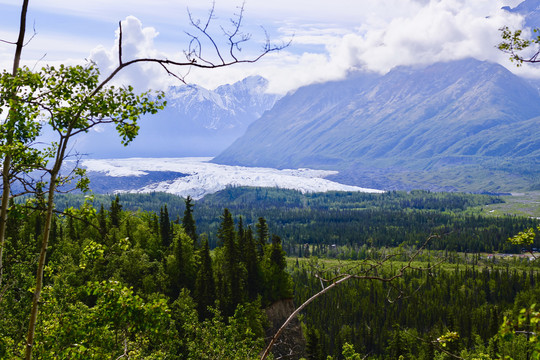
[[330, 37], [390, 33], [137, 43], [440, 30]]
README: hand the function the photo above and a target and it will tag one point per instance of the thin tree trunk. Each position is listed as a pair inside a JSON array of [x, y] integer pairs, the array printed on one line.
[[3, 212], [6, 165], [44, 244], [39, 273]]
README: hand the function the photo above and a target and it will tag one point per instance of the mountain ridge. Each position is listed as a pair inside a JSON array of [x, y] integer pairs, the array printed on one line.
[[195, 122], [402, 120]]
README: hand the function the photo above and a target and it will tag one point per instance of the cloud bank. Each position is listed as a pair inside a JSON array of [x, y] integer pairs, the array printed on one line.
[[387, 33]]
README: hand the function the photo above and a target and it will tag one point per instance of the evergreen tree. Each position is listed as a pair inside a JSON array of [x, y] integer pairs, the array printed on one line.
[[177, 268], [102, 221], [231, 270], [397, 346], [188, 222], [153, 224], [241, 235], [165, 227], [313, 344], [205, 290], [262, 236], [277, 255], [116, 208], [251, 260], [278, 282]]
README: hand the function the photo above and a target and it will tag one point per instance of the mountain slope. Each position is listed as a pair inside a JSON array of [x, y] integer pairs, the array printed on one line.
[[530, 9], [461, 112], [196, 122]]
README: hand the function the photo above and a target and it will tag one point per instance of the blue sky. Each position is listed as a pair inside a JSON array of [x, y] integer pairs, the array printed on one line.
[[330, 37]]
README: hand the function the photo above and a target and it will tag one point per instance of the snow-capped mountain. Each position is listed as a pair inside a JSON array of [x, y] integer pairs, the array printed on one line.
[[195, 122], [231, 106], [197, 177]]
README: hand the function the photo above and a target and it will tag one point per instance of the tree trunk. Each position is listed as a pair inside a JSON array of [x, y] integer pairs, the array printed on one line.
[[6, 188], [41, 266], [60, 154]]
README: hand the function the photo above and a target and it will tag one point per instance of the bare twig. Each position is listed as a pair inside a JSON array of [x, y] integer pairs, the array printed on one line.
[[8, 42], [435, 344], [369, 274]]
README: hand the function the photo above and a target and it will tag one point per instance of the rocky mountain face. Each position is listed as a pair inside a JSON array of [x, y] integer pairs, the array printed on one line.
[[461, 125], [530, 9], [196, 122]]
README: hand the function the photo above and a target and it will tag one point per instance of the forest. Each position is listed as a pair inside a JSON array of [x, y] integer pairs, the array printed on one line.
[[155, 276]]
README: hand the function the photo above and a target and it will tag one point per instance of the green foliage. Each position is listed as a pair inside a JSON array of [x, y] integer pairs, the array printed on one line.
[[188, 223], [129, 269], [383, 319], [118, 322], [20, 94], [524, 238], [120, 291], [205, 288], [514, 43], [351, 221], [216, 339], [525, 325], [278, 281]]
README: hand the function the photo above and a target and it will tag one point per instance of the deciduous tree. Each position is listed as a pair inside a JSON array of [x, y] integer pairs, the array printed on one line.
[[72, 100]]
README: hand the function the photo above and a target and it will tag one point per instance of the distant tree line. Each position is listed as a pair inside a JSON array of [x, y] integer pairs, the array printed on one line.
[[350, 220]]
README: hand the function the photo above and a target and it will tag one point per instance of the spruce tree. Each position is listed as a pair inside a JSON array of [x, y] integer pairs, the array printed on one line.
[[231, 281], [205, 290], [102, 221], [241, 235], [177, 274], [262, 236], [116, 208], [165, 227], [278, 281], [251, 260], [188, 222]]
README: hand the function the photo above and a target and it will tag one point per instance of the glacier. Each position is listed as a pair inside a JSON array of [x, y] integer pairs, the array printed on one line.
[[203, 178]]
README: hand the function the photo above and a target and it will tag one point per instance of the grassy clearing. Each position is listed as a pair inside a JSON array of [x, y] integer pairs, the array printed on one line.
[[451, 261], [519, 204]]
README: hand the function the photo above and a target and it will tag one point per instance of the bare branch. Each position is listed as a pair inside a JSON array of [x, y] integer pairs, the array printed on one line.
[[8, 42], [170, 73], [33, 35], [120, 43], [235, 44], [341, 278], [204, 31], [297, 311]]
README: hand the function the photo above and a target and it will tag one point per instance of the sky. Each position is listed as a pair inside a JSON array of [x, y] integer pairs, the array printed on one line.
[[328, 39]]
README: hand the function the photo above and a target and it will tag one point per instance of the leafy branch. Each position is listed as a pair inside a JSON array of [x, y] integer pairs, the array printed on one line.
[[514, 44]]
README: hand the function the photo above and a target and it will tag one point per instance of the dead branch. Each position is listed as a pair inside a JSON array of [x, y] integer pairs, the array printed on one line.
[[341, 278]]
